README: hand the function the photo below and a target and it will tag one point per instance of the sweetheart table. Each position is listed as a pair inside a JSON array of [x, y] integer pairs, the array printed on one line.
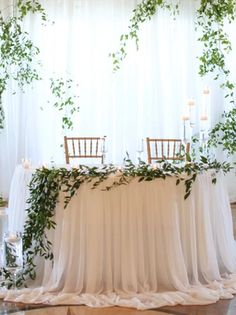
[[138, 245]]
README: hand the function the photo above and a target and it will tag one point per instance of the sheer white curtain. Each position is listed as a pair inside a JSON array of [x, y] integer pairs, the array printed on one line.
[[145, 98]]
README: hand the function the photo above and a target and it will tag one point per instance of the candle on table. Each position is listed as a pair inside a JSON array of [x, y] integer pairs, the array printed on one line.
[[26, 163], [205, 104], [191, 106], [204, 117], [185, 117], [3, 224], [206, 91], [191, 102]]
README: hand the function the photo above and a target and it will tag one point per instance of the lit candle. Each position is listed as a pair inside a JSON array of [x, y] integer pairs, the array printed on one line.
[[185, 117], [203, 117], [140, 146], [11, 237], [26, 163], [205, 104], [191, 102], [206, 91]]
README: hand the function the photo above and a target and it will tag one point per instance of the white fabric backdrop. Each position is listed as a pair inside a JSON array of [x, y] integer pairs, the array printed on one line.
[[145, 98]]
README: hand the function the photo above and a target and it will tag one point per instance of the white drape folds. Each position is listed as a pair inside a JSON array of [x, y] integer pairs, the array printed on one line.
[[139, 245], [144, 98]]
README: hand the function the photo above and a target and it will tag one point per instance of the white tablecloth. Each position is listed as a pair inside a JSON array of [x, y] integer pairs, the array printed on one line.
[[139, 245]]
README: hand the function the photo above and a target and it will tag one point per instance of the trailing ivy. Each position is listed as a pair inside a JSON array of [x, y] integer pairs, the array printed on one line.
[[18, 54], [224, 133], [142, 13], [211, 17], [31, 6], [65, 99], [47, 184], [19, 61]]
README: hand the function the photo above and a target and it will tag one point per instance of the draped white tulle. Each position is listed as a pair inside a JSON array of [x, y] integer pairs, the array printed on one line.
[[144, 98], [139, 245]]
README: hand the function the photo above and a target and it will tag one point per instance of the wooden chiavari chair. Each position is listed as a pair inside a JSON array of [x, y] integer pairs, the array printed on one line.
[[84, 147], [169, 149]]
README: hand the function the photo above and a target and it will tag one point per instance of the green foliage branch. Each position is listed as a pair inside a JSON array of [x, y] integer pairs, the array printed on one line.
[[18, 61], [47, 184], [211, 17], [17, 54], [64, 99], [223, 134], [31, 6], [142, 13], [210, 20]]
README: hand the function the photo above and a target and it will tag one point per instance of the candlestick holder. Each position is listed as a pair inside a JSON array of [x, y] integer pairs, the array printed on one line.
[[140, 149], [104, 149], [26, 163], [1, 267], [186, 124], [203, 140], [13, 256]]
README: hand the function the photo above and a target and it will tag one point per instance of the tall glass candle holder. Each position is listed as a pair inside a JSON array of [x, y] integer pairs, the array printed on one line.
[[185, 120], [13, 258], [104, 149], [140, 148], [3, 223], [1, 267]]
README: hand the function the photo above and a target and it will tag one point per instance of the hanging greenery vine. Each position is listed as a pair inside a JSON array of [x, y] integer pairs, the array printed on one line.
[[142, 13], [19, 55], [211, 17], [224, 133], [210, 21], [33, 6], [46, 185], [65, 99]]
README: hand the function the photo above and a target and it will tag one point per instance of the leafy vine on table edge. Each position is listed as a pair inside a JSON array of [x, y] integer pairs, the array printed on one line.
[[19, 61], [46, 184]]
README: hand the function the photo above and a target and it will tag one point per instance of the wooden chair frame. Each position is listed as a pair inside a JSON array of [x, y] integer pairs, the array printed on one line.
[[169, 149], [84, 147]]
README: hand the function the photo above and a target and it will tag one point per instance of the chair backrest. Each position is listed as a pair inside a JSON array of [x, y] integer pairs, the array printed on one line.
[[84, 147], [169, 149]]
